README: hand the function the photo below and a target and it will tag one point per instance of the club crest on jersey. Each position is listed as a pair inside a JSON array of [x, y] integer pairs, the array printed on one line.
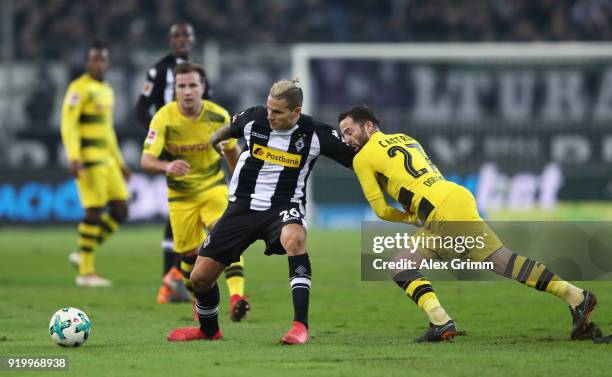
[[147, 88], [275, 156], [151, 136], [74, 99], [299, 144]]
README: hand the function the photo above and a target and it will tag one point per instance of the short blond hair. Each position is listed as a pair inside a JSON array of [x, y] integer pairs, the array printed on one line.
[[289, 91]]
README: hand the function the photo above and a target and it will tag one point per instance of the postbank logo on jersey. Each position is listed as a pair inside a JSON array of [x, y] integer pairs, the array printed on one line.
[[274, 156]]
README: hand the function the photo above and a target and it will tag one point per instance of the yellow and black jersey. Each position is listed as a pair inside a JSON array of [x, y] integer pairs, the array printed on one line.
[[398, 165], [87, 123], [173, 136]]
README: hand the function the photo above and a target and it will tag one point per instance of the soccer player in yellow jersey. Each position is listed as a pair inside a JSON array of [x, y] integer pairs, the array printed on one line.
[[178, 144], [397, 164], [95, 160]]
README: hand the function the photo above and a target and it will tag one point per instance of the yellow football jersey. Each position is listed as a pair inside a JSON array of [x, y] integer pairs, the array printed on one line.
[[87, 122], [398, 164], [173, 136]]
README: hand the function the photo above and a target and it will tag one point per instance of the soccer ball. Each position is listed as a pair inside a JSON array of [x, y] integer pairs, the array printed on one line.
[[69, 327]]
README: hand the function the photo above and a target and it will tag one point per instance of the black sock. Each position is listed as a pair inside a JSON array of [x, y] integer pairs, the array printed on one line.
[[207, 306], [300, 279], [177, 260], [169, 256]]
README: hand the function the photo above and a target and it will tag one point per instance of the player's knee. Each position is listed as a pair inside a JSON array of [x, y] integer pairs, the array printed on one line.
[[200, 281], [92, 215], [294, 242], [119, 211]]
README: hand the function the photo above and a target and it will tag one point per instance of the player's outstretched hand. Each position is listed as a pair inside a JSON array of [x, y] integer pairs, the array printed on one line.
[[74, 167], [126, 172], [177, 168]]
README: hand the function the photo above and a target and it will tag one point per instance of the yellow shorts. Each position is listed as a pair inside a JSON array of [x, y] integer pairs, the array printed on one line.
[[457, 218], [101, 184], [189, 218]]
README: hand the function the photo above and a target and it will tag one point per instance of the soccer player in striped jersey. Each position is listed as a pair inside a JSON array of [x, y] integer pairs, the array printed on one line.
[[267, 196], [95, 160], [397, 164]]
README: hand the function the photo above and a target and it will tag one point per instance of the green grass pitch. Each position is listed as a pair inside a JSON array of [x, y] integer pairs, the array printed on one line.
[[357, 328]]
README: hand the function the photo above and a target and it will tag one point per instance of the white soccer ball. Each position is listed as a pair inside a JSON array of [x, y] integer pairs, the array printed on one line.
[[69, 327]]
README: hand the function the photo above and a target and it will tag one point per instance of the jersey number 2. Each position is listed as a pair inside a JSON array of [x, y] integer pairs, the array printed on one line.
[[410, 168]]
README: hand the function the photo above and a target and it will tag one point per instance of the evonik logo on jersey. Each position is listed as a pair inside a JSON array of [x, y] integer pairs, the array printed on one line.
[[275, 156], [175, 149]]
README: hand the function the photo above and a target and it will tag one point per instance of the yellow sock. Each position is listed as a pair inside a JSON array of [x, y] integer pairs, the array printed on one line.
[[86, 265], [108, 225], [567, 292], [234, 277], [421, 292], [536, 275], [186, 266], [89, 236]]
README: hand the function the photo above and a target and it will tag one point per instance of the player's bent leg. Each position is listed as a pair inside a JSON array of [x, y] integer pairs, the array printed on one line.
[[175, 291], [535, 275], [170, 257], [89, 238], [293, 240], [177, 283], [110, 222], [207, 298], [234, 278], [188, 261], [234, 273], [414, 284], [204, 281]]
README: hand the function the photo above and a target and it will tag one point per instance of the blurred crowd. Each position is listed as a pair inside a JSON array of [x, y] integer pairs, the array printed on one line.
[[48, 28]]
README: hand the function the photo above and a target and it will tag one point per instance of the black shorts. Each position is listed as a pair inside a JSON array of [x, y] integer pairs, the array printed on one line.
[[240, 226]]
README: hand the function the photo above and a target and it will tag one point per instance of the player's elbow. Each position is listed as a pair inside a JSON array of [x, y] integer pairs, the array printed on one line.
[[379, 211], [383, 213], [146, 162]]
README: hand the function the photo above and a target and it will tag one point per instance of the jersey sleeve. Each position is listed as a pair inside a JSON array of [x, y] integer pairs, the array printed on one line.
[[231, 143], [156, 138], [332, 146], [147, 96], [374, 195], [240, 120], [71, 111]]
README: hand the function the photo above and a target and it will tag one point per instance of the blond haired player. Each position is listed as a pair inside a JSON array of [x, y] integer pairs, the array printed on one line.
[[267, 202], [178, 144]]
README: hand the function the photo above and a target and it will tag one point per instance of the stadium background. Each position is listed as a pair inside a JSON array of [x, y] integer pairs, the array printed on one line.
[[512, 99], [523, 131]]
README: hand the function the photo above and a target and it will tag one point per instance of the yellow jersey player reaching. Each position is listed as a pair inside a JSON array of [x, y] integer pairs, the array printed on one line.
[[398, 165], [95, 160], [178, 144]]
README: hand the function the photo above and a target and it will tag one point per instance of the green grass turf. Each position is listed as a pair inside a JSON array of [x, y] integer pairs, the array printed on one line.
[[357, 328]]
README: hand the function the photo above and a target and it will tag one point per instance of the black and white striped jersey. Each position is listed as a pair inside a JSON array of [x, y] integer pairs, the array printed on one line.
[[274, 167]]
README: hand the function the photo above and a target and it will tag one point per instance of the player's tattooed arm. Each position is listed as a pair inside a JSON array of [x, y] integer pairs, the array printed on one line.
[[218, 137]]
